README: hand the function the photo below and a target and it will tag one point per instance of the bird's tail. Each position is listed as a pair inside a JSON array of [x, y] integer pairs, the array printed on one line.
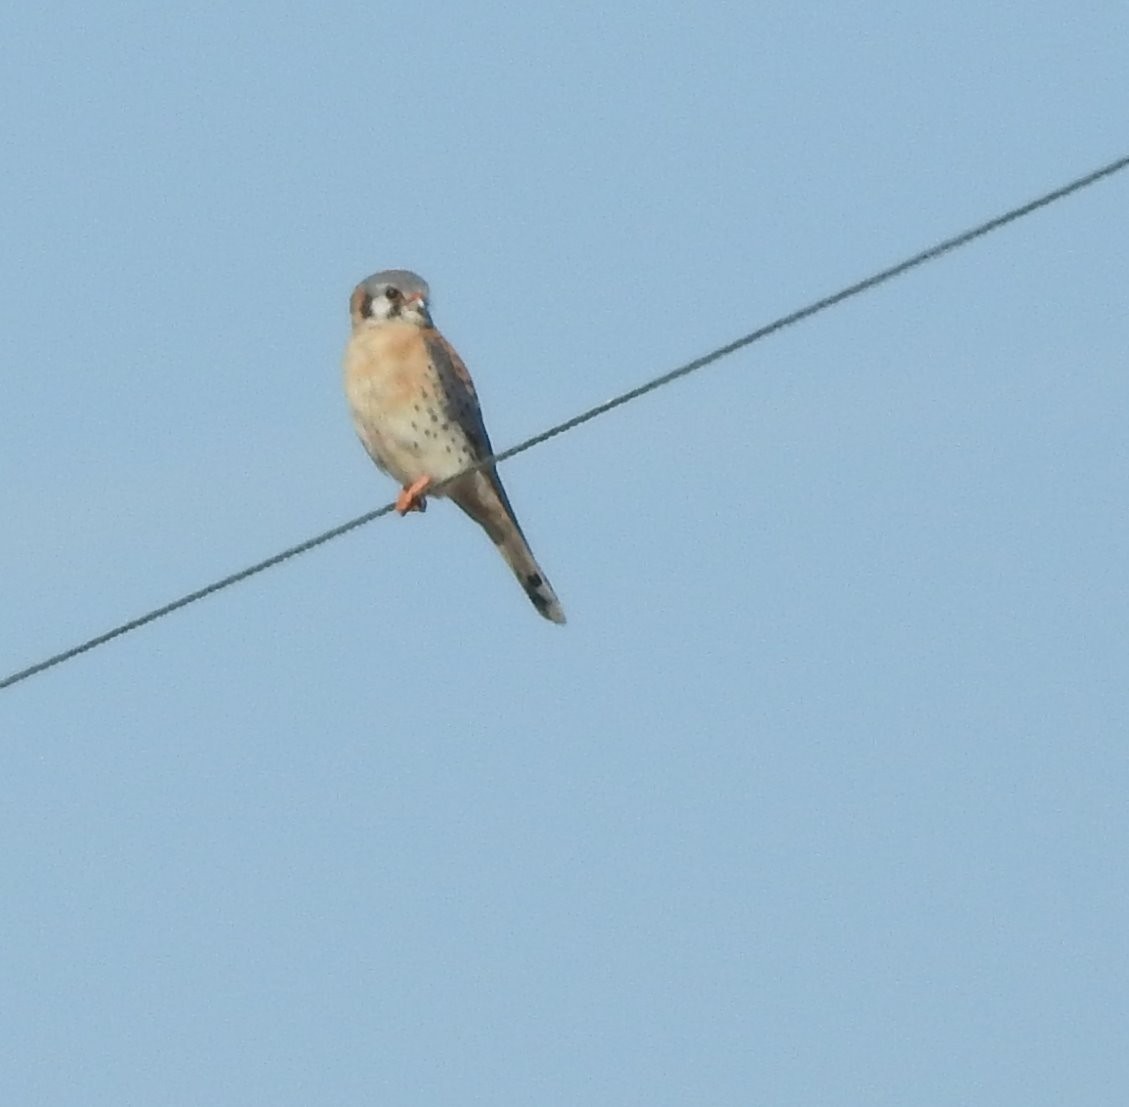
[[519, 557], [484, 499]]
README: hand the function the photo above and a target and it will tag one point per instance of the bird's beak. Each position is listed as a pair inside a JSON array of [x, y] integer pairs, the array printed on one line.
[[414, 298]]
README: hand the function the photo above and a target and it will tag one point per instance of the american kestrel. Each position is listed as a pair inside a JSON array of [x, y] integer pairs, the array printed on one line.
[[417, 414]]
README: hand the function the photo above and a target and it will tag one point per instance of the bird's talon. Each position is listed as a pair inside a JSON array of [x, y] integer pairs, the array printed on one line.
[[412, 497]]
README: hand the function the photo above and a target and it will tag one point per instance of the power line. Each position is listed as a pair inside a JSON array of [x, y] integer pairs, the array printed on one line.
[[930, 254]]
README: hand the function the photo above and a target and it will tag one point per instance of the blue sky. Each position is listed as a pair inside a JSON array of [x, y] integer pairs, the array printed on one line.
[[818, 798]]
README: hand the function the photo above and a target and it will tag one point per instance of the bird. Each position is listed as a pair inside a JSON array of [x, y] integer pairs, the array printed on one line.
[[416, 412]]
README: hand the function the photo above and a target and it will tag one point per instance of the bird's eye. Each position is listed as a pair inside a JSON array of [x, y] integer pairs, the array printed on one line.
[[392, 294]]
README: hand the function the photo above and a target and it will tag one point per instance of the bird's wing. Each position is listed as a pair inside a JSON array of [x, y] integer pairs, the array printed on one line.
[[459, 395], [461, 402]]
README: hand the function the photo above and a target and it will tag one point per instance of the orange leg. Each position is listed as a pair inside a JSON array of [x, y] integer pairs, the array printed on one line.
[[412, 497]]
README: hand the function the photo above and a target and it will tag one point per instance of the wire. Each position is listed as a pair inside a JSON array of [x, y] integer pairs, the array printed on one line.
[[930, 254]]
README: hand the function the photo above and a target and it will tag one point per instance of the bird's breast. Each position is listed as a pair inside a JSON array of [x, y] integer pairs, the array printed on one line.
[[398, 405], [386, 369]]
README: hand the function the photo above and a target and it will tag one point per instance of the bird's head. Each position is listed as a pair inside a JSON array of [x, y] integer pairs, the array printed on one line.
[[393, 295]]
